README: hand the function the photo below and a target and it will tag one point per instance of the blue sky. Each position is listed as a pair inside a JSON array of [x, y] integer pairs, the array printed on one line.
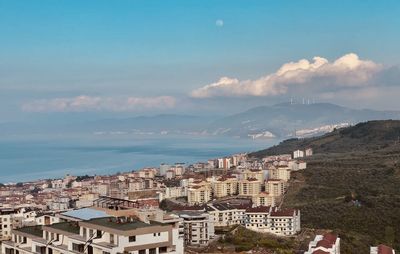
[[147, 50]]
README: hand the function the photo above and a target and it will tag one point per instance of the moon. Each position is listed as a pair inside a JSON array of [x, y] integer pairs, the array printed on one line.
[[219, 23]]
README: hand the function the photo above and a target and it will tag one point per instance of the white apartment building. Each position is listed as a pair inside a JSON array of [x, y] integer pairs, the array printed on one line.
[[226, 215], [298, 154], [107, 235], [224, 163], [11, 218], [271, 220], [198, 227], [172, 192], [327, 243]]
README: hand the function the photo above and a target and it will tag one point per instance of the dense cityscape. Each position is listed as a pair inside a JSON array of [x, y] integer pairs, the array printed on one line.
[[169, 209], [199, 127]]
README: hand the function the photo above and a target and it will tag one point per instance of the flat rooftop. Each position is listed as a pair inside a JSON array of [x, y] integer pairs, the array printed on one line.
[[70, 227], [114, 223], [33, 230], [85, 214]]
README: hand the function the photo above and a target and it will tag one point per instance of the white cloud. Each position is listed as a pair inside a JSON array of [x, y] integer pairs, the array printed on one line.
[[88, 103], [346, 71], [219, 23]]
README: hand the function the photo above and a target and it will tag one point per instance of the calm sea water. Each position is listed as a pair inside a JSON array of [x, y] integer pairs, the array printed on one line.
[[29, 158]]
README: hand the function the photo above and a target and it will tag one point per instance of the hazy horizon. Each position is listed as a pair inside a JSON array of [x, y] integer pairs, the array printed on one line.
[[130, 58]]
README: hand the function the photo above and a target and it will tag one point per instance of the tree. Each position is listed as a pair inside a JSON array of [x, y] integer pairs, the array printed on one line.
[[19, 184], [390, 235]]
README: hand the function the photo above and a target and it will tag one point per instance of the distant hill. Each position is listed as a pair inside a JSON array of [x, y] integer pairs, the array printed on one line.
[[351, 184], [280, 121], [290, 120], [365, 136]]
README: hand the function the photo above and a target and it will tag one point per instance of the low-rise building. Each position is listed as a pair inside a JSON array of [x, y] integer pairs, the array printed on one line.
[[108, 235], [327, 243], [226, 215], [382, 249], [272, 220]]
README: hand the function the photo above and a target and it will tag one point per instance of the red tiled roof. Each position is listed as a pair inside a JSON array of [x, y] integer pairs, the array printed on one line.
[[258, 209], [324, 243], [383, 249], [252, 179], [320, 252], [330, 237], [288, 212]]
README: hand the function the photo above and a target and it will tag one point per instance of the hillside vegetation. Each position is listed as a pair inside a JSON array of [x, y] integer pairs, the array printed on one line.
[[351, 184]]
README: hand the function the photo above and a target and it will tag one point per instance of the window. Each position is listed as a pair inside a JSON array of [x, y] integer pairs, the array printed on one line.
[[98, 234], [152, 251], [42, 249], [111, 238], [162, 249], [132, 238], [78, 247], [142, 251]]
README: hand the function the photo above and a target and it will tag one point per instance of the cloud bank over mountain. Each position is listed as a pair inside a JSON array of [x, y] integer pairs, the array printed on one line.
[[348, 71], [89, 103]]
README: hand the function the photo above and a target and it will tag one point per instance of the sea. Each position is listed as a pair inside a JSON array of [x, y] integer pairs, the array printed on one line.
[[26, 158]]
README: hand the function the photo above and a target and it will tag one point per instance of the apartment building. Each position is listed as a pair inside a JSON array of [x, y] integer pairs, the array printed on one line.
[[199, 192], [272, 220], [198, 227], [224, 163], [11, 218], [171, 192], [226, 215], [275, 187], [253, 173], [327, 243], [249, 187], [279, 172], [225, 186], [264, 199], [298, 154], [107, 235], [284, 222]]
